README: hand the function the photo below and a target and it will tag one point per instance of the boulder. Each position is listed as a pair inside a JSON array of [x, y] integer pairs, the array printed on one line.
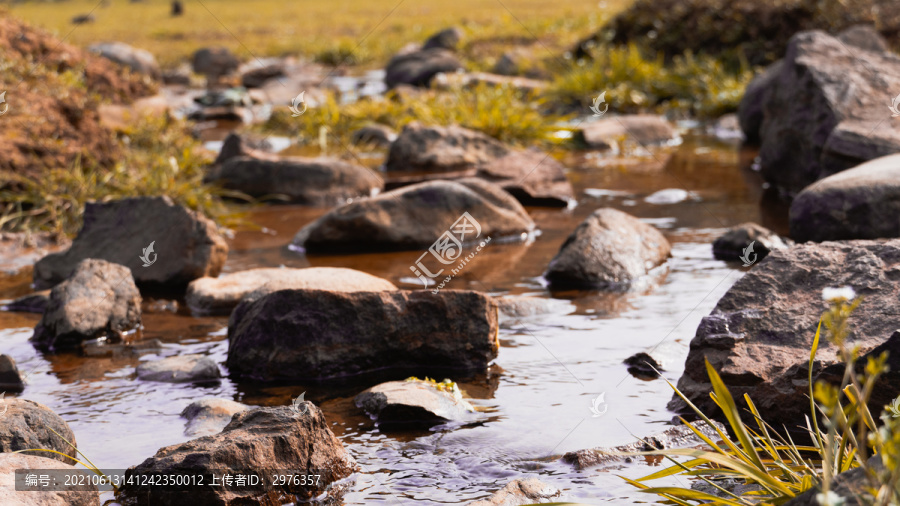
[[321, 181], [826, 112], [418, 68], [864, 37], [445, 39], [388, 330], [374, 135], [610, 249], [414, 401], [645, 129], [26, 425], [414, 217], [256, 442], [99, 300], [759, 335], [731, 245], [68, 496], [179, 369], [750, 110], [214, 62], [11, 379], [519, 493], [218, 296], [188, 244], [532, 176], [859, 203], [209, 416], [138, 60]]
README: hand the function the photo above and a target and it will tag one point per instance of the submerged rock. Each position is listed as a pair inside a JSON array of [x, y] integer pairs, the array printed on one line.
[[859, 203], [609, 249], [27, 425], [80, 495], [388, 330], [99, 300], [642, 366], [31, 303], [164, 244], [414, 401], [220, 295], [259, 441], [179, 369], [731, 245], [414, 217], [521, 492], [210, 416]]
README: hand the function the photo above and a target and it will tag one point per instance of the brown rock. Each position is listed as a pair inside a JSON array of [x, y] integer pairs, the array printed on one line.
[[644, 129], [519, 493], [27, 425], [210, 416], [70, 496]]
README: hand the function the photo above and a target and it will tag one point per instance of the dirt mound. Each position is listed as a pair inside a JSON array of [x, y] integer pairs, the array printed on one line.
[[759, 29], [52, 93]]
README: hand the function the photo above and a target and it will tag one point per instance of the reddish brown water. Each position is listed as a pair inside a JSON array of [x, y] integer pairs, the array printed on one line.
[[535, 401]]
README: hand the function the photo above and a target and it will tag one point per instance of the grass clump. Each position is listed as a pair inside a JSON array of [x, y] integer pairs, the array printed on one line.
[[774, 466]]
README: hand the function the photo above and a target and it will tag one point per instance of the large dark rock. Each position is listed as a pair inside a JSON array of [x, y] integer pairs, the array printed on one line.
[[374, 135], [859, 203], [751, 109], [827, 111], [138, 60], [99, 300], [760, 333], [731, 244], [27, 425], [453, 152], [214, 62], [445, 39], [257, 441], [519, 493], [414, 401], [316, 334], [319, 181], [11, 379], [418, 68], [609, 249], [220, 295], [187, 243], [80, 495], [414, 217]]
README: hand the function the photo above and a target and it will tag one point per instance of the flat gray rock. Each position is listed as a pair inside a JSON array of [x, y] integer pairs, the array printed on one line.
[[414, 401], [179, 369]]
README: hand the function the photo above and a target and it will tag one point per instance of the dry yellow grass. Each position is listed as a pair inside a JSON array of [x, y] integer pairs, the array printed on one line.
[[375, 28]]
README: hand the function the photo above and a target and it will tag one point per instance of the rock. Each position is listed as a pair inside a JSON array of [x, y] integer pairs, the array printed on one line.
[[667, 196], [255, 441], [242, 145], [31, 303], [218, 296], [418, 68], [522, 307], [257, 77], [414, 401], [533, 177], [760, 333], [610, 249], [414, 217], [99, 300], [645, 129], [138, 60], [852, 486], [730, 246], [209, 416], [388, 330], [445, 39], [318, 181], [520, 492], [11, 379], [214, 62], [68, 496], [188, 244], [510, 63], [20, 250], [728, 127], [179, 369], [824, 110], [83, 19], [859, 203], [642, 366], [679, 436], [456, 80], [26, 425], [178, 76], [864, 37], [374, 134]]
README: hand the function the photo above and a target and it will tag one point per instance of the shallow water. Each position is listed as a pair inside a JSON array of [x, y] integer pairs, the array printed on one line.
[[535, 402]]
